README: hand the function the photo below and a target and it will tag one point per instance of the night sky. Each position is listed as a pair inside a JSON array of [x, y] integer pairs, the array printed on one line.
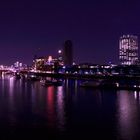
[[29, 27]]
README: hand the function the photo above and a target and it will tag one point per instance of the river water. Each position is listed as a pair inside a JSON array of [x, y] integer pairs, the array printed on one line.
[[30, 110]]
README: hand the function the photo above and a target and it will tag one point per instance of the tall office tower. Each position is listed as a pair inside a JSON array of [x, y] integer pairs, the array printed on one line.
[[128, 50], [68, 53]]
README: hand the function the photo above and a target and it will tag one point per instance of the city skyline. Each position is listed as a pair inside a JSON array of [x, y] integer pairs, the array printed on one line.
[[41, 27], [128, 50]]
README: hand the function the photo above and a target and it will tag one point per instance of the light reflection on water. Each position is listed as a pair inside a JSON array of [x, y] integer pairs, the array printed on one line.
[[51, 106], [11, 101], [70, 109], [128, 114], [60, 108]]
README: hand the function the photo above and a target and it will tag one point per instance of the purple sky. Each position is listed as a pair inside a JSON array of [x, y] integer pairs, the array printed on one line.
[[94, 27]]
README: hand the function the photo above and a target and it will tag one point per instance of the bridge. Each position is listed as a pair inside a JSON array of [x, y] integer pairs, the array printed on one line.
[[9, 70], [93, 72]]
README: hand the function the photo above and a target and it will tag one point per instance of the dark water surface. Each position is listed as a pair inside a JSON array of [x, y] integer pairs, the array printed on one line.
[[30, 110]]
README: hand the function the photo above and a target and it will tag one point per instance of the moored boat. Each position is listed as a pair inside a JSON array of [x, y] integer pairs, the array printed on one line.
[[18, 76], [57, 82], [107, 84], [45, 82], [53, 82], [33, 77]]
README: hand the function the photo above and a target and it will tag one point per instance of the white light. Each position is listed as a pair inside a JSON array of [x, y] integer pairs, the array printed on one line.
[[86, 72], [117, 84], [73, 63], [59, 51], [135, 95], [49, 59]]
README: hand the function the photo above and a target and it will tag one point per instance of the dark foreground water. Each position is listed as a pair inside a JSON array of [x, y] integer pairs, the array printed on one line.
[[29, 110]]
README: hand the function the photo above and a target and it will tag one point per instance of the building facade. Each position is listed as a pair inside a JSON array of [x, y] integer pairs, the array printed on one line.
[[128, 50], [68, 53]]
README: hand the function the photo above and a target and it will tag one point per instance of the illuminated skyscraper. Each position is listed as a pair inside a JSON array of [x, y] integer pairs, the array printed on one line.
[[68, 53], [128, 50]]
